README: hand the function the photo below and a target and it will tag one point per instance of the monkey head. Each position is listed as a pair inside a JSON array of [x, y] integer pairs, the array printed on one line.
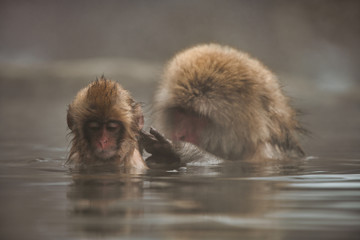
[[104, 121]]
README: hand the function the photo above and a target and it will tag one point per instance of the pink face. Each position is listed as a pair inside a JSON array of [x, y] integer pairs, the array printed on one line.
[[188, 127], [104, 137]]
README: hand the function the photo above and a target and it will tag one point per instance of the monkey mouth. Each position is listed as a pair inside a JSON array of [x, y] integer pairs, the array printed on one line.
[[105, 154]]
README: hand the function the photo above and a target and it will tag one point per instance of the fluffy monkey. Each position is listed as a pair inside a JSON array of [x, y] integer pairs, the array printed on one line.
[[105, 123], [215, 100]]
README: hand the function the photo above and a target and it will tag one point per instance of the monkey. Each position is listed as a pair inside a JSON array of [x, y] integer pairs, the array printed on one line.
[[105, 122], [217, 102]]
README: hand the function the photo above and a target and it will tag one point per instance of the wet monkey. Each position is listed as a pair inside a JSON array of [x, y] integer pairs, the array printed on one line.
[[105, 123], [219, 101]]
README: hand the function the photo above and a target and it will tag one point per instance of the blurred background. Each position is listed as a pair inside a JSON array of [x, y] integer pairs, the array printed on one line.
[[51, 49]]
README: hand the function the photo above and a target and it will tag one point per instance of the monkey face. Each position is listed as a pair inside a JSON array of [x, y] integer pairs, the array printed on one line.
[[187, 126], [104, 137]]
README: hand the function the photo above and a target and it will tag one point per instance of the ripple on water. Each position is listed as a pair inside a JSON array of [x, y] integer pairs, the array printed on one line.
[[312, 178], [327, 185]]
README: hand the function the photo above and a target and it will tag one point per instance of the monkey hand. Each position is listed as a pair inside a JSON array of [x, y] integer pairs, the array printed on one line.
[[162, 149]]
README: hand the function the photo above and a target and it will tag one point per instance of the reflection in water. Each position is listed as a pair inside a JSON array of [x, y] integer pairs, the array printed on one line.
[[101, 197], [216, 202]]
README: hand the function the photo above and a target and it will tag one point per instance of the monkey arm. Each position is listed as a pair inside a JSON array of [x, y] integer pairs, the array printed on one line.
[[168, 154], [191, 154]]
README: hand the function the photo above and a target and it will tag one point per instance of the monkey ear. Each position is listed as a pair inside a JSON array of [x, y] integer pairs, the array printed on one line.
[[70, 121], [140, 121], [139, 117]]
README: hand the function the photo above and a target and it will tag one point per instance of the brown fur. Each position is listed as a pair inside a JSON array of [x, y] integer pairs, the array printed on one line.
[[250, 116], [105, 99]]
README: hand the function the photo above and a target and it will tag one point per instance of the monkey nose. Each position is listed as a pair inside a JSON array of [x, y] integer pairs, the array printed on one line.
[[103, 143], [179, 136]]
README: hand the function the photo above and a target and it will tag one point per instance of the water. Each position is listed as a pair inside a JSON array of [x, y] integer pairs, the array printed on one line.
[[40, 198]]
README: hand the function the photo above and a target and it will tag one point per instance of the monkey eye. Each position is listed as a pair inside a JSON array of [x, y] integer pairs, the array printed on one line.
[[94, 125], [113, 126]]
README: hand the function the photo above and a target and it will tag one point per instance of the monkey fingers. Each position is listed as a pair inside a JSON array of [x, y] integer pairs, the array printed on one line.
[[162, 149], [148, 141], [155, 143], [159, 136]]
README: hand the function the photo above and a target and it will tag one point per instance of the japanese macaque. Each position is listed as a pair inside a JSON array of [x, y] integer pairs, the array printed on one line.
[[105, 123], [219, 101]]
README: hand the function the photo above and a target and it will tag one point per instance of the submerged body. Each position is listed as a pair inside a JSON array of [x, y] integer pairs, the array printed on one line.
[[105, 123], [227, 104]]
